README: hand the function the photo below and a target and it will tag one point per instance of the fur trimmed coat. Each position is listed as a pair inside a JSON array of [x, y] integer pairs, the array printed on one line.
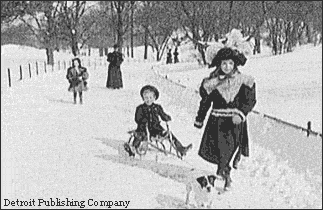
[[77, 79], [229, 97]]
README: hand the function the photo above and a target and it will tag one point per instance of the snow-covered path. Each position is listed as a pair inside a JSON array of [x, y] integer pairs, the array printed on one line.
[[52, 148]]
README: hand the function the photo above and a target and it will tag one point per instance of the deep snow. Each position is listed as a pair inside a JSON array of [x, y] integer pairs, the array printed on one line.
[[52, 148]]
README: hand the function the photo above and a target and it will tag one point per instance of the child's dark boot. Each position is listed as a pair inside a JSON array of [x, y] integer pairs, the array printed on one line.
[[185, 149]]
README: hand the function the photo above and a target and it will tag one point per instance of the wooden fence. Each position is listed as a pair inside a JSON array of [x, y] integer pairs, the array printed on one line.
[[35, 68]]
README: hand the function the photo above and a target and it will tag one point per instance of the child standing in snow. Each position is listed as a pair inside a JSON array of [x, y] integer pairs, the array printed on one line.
[[148, 113], [77, 76], [233, 96]]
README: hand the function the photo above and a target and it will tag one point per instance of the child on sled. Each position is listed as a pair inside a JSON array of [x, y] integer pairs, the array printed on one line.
[[147, 114]]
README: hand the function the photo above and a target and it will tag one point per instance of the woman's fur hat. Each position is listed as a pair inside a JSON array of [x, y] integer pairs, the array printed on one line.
[[151, 88], [228, 53]]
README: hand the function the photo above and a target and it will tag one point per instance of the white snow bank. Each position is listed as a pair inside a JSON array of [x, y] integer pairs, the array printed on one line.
[[289, 86], [51, 148]]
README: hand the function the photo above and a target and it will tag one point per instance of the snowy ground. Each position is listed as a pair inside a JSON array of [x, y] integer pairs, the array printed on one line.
[[289, 86], [52, 148]]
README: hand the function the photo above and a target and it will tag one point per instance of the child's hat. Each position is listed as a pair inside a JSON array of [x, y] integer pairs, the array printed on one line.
[[150, 88]]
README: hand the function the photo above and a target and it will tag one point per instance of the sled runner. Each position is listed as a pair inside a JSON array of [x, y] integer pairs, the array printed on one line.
[[140, 143]]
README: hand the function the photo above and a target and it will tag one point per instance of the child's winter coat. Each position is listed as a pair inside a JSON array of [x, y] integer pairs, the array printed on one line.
[[77, 79], [149, 115]]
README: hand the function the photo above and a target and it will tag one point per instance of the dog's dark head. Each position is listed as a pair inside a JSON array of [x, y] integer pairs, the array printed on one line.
[[206, 182], [128, 149]]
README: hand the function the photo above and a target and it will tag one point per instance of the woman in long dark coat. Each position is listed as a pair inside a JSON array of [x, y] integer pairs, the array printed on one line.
[[233, 96], [114, 79], [77, 76]]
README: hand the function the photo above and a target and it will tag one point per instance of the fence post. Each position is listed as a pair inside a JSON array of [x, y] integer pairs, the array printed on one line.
[[29, 70], [59, 65], [64, 64], [36, 68], [9, 77], [53, 67], [20, 72], [45, 66], [309, 128]]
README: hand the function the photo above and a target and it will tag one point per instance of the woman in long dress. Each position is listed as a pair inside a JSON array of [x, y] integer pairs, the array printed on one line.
[[114, 80]]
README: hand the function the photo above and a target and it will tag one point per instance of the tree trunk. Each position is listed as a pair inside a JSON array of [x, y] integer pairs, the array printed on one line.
[[230, 17], [120, 32], [131, 33], [274, 36], [309, 33], [163, 49], [300, 34], [257, 45], [158, 55], [293, 39], [101, 52], [201, 50], [216, 37], [146, 45], [75, 49], [257, 38], [50, 56]]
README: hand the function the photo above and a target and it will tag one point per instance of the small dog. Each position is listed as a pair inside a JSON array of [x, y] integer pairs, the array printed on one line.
[[203, 191]]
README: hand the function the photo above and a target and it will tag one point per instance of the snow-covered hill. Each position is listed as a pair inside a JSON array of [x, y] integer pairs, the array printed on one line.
[[289, 86], [51, 148]]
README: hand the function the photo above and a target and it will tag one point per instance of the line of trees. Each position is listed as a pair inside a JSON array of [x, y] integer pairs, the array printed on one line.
[[57, 24]]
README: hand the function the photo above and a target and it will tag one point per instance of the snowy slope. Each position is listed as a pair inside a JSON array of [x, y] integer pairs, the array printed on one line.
[[292, 80], [52, 148]]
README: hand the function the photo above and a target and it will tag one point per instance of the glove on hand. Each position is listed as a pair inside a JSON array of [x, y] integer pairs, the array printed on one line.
[[168, 118], [198, 124]]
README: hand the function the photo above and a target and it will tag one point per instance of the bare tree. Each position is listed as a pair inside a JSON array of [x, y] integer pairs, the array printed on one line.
[[42, 21], [12, 10], [70, 18], [120, 18], [249, 16], [98, 28], [80, 23], [157, 19], [202, 19], [132, 28], [289, 22]]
